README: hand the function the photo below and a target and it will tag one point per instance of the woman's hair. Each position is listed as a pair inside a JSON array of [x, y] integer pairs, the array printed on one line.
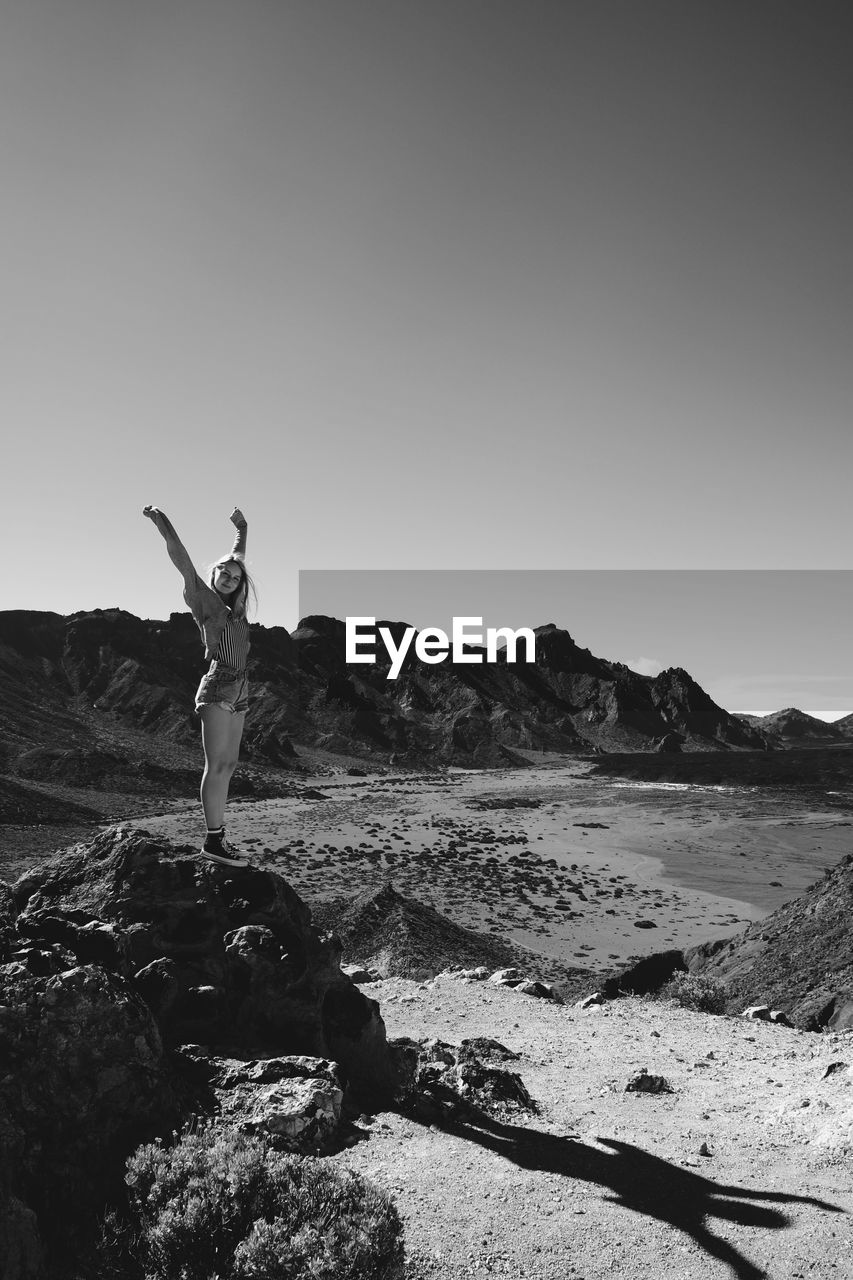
[[239, 597]]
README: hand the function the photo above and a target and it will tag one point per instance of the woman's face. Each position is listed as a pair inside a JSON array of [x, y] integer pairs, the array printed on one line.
[[227, 577]]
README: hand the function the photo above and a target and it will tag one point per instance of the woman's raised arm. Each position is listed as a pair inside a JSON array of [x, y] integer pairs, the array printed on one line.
[[237, 518], [178, 553]]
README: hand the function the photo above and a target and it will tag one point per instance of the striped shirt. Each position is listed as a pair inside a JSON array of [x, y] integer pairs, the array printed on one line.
[[233, 648]]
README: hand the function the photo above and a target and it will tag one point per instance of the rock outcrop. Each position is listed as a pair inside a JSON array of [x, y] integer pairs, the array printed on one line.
[[139, 985], [439, 1079], [222, 956]]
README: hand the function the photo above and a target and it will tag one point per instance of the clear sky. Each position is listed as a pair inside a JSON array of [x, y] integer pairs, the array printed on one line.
[[499, 284]]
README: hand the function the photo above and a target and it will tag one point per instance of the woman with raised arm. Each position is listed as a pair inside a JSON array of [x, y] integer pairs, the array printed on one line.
[[219, 609]]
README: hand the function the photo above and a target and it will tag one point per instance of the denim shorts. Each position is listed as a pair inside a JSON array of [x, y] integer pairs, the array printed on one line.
[[222, 686]]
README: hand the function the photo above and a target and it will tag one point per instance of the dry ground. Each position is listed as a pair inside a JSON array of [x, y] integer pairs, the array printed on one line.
[[602, 1182]]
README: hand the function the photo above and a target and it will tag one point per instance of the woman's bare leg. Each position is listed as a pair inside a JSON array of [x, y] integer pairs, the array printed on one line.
[[221, 732]]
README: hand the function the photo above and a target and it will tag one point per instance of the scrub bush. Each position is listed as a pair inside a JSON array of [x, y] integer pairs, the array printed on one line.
[[220, 1205], [695, 991]]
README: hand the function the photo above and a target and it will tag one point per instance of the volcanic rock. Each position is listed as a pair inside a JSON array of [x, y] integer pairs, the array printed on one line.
[[294, 1102], [224, 957], [115, 954], [643, 1082], [435, 1078]]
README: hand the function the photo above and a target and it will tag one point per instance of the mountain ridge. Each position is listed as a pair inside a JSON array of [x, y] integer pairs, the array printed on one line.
[[56, 671]]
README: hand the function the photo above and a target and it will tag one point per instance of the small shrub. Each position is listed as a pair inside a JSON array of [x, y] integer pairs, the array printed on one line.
[[696, 991], [219, 1205]]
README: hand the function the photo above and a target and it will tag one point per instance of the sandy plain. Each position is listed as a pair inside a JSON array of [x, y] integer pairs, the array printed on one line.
[[586, 870]]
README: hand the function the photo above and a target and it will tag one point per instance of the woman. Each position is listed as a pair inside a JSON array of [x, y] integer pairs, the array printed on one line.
[[221, 701]]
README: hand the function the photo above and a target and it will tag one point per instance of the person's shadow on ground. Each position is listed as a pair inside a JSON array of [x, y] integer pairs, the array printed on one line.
[[639, 1181]]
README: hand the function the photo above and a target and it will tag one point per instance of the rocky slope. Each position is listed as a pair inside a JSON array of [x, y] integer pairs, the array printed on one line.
[[799, 959], [396, 936]]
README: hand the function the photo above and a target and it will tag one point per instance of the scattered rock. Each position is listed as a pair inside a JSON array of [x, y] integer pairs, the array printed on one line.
[[642, 1082], [507, 977], [542, 990], [590, 1002]]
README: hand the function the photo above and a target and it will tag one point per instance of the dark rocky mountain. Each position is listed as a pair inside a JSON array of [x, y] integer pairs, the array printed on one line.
[[71, 684]]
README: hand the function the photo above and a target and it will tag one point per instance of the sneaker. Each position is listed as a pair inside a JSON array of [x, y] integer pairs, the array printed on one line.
[[217, 850]]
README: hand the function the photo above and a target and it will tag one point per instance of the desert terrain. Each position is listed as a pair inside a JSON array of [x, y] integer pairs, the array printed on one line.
[[743, 1170], [740, 1167], [573, 866]]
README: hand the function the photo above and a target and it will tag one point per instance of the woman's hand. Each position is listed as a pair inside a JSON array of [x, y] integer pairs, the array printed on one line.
[[237, 517], [151, 512]]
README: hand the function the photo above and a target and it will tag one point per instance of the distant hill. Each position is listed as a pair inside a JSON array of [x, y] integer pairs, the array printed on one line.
[[76, 682], [794, 725], [799, 959]]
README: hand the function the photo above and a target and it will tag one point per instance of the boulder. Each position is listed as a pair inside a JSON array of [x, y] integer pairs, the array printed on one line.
[[225, 957], [435, 1078], [295, 1102], [591, 1002], [507, 977], [358, 974], [643, 1082], [542, 990]]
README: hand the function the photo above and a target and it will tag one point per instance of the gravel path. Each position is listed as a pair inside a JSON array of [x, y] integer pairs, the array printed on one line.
[[602, 1182]]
